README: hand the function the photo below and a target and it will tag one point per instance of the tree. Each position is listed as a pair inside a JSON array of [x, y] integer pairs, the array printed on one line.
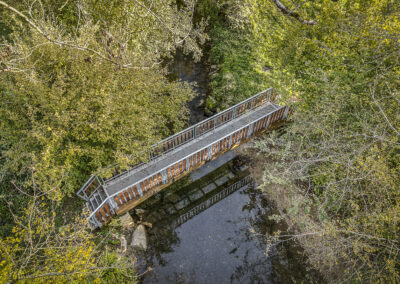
[[337, 166], [40, 251], [82, 86]]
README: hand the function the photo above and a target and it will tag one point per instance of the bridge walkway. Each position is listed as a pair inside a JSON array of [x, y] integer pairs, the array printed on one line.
[[178, 155]]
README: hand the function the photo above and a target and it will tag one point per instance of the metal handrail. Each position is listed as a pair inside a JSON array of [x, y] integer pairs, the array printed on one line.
[[212, 118], [121, 190], [194, 135], [125, 172]]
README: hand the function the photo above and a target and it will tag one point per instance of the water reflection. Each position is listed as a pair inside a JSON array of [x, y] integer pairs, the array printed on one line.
[[213, 231]]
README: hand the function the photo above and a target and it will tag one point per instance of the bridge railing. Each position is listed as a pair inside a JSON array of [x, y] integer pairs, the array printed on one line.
[[235, 136], [91, 186], [209, 124], [190, 133]]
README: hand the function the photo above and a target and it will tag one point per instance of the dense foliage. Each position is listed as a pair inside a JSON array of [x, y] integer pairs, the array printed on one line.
[[338, 164], [42, 248], [83, 89], [236, 72], [82, 86]]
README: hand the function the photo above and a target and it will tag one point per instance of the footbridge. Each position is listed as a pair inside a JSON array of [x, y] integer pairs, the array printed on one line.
[[179, 154]]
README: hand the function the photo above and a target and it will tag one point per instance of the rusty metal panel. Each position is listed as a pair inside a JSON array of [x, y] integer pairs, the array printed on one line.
[[103, 213], [146, 184], [117, 200], [99, 217], [265, 122], [136, 191], [121, 197], [108, 210], [126, 195], [131, 192]]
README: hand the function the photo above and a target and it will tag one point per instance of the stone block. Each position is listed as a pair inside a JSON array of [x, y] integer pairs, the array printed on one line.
[[181, 204], [209, 188], [196, 195], [221, 180]]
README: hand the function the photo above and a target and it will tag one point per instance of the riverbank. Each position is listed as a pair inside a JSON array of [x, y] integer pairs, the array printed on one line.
[[236, 72]]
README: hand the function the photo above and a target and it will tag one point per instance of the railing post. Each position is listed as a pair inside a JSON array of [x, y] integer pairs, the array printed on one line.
[[113, 204], [251, 104], [250, 131], [194, 132], [209, 152], [234, 113], [215, 122], [187, 164], [96, 222], [269, 118], [286, 112], [164, 176]]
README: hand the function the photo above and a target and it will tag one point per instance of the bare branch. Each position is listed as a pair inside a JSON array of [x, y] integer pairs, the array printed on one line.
[[292, 13], [71, 45]]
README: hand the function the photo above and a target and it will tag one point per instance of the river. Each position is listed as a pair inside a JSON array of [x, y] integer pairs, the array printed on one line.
[[213, 225]]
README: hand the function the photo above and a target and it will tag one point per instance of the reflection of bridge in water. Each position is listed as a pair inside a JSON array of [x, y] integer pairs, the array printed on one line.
[[243, 183], [175, 156]]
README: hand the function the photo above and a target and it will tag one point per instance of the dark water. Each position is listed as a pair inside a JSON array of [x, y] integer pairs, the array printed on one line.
[[214, 230], [183, 68], [213, 227]]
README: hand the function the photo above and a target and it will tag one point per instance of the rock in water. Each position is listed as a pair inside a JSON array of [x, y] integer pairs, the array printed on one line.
[[124, 244], [126, 221], [139, 238]]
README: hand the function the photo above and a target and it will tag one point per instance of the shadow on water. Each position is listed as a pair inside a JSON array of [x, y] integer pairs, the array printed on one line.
[[213, 230]]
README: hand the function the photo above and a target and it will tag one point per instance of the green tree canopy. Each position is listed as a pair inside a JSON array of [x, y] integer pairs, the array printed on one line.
[[83, 86], [339, 160]]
